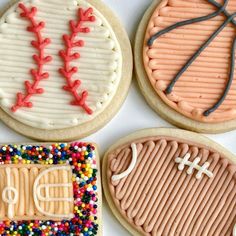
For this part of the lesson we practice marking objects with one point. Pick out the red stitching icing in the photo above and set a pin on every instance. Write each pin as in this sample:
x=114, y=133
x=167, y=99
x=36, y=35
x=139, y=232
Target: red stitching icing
x=67, y=56
x=22, y=100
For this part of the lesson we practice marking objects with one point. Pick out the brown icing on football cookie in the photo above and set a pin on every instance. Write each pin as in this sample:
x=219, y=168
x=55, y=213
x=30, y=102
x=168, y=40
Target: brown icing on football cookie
x=174, y=188
x=190, y=62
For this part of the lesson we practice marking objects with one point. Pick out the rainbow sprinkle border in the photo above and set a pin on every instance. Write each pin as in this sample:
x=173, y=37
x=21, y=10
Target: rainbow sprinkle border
x=82, y=158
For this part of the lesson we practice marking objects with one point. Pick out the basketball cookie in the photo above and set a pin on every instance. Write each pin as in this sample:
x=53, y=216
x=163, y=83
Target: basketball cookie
x=65, y=67
x=164, y=182
x=50, y=190
x=185, y=62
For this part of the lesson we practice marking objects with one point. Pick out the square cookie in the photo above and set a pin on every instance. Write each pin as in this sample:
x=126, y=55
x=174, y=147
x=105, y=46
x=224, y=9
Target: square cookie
x=50, y=189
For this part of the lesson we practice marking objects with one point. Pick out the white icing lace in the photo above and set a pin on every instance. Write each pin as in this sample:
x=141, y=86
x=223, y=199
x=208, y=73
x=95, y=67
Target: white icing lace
x=194, y=165
x=131, y=166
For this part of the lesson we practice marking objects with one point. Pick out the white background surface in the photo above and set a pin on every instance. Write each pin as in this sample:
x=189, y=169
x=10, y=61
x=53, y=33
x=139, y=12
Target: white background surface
x=134, y=115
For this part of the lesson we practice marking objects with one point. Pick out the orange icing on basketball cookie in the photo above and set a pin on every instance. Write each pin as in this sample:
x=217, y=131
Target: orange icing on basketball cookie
x=159, y=198
x=203, y=83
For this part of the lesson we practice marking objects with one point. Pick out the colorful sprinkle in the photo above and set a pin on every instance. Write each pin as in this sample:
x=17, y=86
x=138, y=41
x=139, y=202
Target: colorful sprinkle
x=82, y=158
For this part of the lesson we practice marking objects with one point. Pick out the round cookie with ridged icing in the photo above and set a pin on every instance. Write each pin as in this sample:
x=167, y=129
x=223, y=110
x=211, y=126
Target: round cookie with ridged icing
x=185, y=63
x=65, y=67
x=171, y=182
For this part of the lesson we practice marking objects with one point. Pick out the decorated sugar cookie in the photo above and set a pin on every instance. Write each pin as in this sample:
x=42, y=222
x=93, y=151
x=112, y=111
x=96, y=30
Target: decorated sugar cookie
x=185, y=62
x=65, y=67
x=50, y=190
x=171, y=182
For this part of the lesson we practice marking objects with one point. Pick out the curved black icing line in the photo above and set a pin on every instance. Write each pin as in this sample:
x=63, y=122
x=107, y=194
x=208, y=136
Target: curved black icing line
x=183, y=23
x=194, y=57
x=229, y=83
x=216, y=4
x=229, y=18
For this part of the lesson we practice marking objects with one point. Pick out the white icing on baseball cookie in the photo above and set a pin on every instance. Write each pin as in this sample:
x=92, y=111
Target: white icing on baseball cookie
x=55, y=99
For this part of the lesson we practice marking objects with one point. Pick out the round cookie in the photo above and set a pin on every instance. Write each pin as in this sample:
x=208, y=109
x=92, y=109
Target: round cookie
x=184, y=61
x=66, y=67
x=171, y=182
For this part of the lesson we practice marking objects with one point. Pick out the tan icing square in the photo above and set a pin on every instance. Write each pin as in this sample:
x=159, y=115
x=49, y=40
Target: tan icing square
x=203, y=83
x=36, y=192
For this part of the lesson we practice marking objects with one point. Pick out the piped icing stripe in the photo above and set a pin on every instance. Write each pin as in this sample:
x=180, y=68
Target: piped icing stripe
x=185, y=40
x=229, y=83
x=10, y=194
x=68, y=57
x=131, y=166
x=23, y=100
x=158, y=199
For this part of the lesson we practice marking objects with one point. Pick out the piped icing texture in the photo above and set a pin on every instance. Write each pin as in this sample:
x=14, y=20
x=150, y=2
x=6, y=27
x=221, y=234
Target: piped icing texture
x=99, y=65
x=52, y=198
x=191, y=65
x=159, y=197
x=48, y=190
x=194, y=166
x=23, y=100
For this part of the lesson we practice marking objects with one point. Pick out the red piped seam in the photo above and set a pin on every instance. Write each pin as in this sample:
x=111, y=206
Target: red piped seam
x=68, y=57
x=23, y=100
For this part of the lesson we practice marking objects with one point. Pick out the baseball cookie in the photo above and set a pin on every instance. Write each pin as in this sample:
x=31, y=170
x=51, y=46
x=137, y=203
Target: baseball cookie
x=50, y=190
x=185, y=62
x=65, y=67
x=166, y=182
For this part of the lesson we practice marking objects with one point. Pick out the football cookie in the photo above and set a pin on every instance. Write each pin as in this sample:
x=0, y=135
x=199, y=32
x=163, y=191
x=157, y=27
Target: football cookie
x=65, y=67
x=50, y=190
x=164, y=182
x=185, y=62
